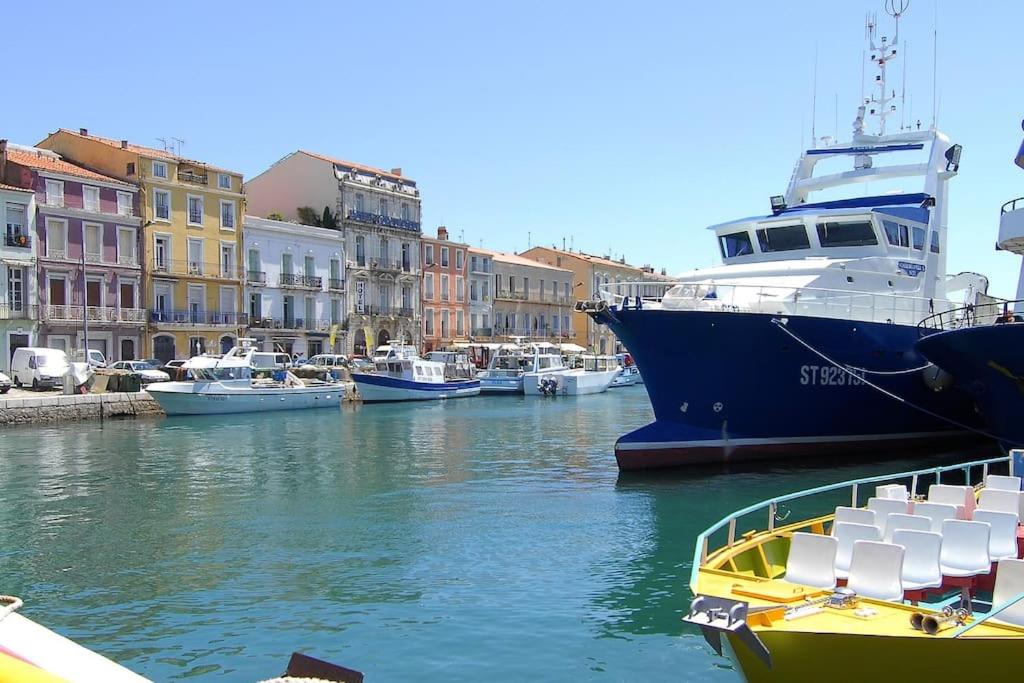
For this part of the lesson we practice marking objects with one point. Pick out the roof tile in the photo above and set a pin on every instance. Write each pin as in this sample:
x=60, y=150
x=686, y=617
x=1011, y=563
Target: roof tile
x=45, y=162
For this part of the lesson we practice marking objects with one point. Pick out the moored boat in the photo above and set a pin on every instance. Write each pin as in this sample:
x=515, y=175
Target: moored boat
x=630, y=374
x=401, y=375
x=504, y=373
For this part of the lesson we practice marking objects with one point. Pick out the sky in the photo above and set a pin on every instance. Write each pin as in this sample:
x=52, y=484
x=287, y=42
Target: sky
x=618, y=128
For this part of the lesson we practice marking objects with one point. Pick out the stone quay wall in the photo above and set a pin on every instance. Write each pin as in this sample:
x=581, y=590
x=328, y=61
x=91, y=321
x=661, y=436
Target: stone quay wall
x=59, y=408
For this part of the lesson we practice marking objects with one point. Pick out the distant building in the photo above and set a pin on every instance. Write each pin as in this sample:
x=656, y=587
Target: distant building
x=191, y=222
x=19, y=311
x=295, y=286
x=86, y=221
x=445, y=304
x=379, y=215
x=531, y=299
x=481, y=309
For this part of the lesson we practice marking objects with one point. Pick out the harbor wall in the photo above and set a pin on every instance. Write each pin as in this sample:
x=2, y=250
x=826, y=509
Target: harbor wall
x=27, y=410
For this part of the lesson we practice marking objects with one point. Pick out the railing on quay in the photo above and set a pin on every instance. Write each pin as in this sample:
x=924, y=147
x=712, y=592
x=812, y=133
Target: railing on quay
x=771, y=506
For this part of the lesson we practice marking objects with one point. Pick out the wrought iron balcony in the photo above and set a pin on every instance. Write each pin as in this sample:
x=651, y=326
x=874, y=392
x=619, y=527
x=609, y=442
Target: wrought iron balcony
x=482, y=332
x=20, y=240
x=167, y=317
x=17, y=311
x=378, y=219
x=256, y=277
x=193, y=177
x=406, y=312
x=307, y=281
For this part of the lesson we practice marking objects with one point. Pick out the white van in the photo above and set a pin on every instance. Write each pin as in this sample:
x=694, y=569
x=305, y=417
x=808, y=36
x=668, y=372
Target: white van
x=266, y=360
x=38, y=367
x=96, y=359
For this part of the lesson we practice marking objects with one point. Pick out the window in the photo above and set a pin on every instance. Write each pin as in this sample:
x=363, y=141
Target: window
x=444, y=324
x=162, y=205
x=896, y=234
x=735, y=244
x=54, y=193
x=474, y=291
x=429, y=255
x=93, y=242
x=162, y=252
x=360, y=250
x=16, y=225
x=224, y=181
x=359, y=202
x=444, y=257
x=124, y=203
x=56, y=238
x=783, y=238
x=934, y=248
x=485, y=287
x=405, y=211
x=16, y=288
x=91, y=198
x=195, y=210
x=227, y=214
x=859, y=234
x=445, y=294
x=459, y=323
x=159, y=170
x=406, y=257
x=195, y=257
x=407, y=297
x=541, y=289
x=384, y=251
x=256, y=305
x=335, y=311
x=459, y=258
x=428, y=322
x=310, y=264
x=460, y=289
x=383, y=207
x=428, y=287
x=128, y=291
x=286, y=264
x=227, y=260
x=919, y=238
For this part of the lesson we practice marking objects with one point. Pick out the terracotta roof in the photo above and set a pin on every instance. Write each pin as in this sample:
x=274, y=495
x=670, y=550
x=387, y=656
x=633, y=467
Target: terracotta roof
x=515, y=258
x=49, y=163
x=361, y=167
x=146, y=151
x=4, y=186
x=591, y=258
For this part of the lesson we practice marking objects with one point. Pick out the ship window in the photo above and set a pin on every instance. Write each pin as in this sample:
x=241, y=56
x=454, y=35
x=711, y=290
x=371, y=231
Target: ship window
x=935, y=242
x=919, y=234
x=846, y=234
x=896, y=234
x=783, y=238
x=735, y=244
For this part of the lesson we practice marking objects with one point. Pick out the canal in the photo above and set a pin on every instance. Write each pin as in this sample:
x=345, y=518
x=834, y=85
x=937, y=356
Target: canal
x=480, y=539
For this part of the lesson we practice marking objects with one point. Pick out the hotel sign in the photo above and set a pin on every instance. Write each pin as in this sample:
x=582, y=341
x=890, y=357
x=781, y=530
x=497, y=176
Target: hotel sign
x=360, y=295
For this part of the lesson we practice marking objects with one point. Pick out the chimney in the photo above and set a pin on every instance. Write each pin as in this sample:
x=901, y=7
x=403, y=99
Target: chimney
x=442, y=233
x=124, y=144
x=396, y=171
x=3, y=160
x=83, y=131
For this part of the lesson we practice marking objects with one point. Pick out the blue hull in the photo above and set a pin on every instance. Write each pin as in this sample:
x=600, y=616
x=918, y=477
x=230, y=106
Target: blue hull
x=988, y=364
x=727, y=386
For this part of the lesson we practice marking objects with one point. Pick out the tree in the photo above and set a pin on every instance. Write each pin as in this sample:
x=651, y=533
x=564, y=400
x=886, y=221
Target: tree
x=329, y=220
x=307, y=216
x=275, y=216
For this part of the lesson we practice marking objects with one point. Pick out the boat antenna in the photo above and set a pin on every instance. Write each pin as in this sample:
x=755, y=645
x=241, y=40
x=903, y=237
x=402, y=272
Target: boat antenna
x=814, y=99
x=903, y=93
x=882, y=52
x=935, y=65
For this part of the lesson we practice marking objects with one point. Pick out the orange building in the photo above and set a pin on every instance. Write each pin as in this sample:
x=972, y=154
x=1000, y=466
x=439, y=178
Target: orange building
x=443, y=295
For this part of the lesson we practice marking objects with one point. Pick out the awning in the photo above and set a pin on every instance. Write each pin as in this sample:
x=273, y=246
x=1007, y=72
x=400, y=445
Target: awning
x=571, y=348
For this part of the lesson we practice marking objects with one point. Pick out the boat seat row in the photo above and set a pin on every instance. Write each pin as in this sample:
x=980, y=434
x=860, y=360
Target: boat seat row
x=992, y=481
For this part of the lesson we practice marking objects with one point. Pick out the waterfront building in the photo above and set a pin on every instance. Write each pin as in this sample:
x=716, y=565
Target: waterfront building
x=445, y=305
x=88, y=273
x=481, y=271
x=294, y=286
x=379, y=215
x=18, y=299
x=191, y=242
x=531, y=299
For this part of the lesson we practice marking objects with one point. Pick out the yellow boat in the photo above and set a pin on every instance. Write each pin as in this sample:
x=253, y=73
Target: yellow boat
x=934, y=586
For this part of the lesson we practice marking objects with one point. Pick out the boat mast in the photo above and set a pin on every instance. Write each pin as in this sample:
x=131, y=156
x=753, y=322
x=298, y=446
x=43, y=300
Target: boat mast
x=882, y=104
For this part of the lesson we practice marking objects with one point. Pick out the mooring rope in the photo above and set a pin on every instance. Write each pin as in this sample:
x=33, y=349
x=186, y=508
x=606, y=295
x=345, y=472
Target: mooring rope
x=896, y=397
x=13, y=604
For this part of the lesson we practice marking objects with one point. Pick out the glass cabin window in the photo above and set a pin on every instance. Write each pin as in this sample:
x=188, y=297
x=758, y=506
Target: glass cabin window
x=935, y=242
x=735, y=244
x=896, y=234
x=783, y=238
x=859, y=234
x=919, y=238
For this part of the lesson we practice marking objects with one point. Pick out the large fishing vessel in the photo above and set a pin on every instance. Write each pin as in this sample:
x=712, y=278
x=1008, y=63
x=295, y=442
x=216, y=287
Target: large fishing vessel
x=802, y=341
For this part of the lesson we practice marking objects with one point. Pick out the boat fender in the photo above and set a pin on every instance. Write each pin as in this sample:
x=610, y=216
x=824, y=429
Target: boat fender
x=936, y=379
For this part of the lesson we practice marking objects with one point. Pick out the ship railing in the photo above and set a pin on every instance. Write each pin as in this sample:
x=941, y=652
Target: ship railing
x=981, y=313
x=818, y=302
x=741, y=525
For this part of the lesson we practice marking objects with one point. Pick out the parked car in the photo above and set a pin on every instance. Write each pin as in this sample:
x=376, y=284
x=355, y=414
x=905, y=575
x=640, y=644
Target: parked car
x=325, y=361
x=96, y=358
x=174, y=369
x=39, y=367
x=148, y=372
x=5, y=383
x=264, y=360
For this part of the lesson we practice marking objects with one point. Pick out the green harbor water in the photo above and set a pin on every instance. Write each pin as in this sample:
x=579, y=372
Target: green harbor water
x=479, y=539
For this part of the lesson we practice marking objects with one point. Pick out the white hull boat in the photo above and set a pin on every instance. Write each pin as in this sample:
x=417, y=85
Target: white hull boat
x=242, y=396
x=596, y=375
x=628, y=377
x=401, y=375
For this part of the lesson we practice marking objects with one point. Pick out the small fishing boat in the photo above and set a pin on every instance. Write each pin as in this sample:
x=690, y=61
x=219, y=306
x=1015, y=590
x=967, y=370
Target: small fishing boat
x=504, y=373
x=401, y=375
x=543, y=369
x=923, y=582
x=226, y=385
x=594, y=376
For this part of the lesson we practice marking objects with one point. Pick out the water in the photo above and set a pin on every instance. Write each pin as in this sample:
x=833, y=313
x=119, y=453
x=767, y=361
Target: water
x=477, y=539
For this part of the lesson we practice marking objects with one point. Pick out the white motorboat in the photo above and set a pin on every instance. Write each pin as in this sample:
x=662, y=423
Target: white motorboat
x=401, y=375
x=545, y=368
x=226, y=385
x=504, y=373
x=630, y=374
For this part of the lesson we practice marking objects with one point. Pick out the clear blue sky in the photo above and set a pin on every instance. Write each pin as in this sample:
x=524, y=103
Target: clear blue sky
x=625, y=127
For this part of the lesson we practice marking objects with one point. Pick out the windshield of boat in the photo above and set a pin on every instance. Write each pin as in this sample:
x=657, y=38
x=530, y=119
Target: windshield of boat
x=508, y=363
x=221, y=374
x=736, y=244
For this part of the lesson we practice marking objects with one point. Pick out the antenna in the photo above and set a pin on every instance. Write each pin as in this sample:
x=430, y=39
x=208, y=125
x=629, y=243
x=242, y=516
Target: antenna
x=181, y=143
x=529, y=243
x=836, y=136
x=881, y=105
x=903, y=94
x=163, y=141
x=935, y=63
x=814, y=99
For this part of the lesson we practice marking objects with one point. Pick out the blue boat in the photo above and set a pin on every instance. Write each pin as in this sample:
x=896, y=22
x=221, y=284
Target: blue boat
x=401, y=375
x=803, y=341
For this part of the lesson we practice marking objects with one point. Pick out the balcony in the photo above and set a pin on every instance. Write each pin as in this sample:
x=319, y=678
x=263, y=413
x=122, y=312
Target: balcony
x=482, y=332
x=19, y=311
x=193, y=177
x=510, y=295
x=256, y=277
x=189, y=267
x=406, y=312
x=196, y=317
x=336, y=285
x=130, y=260
x=19, y=240
x=306, y=324
x=304, y=281
x=385, y=264
x=96, y=314
x=388, y=221
x=386, y=310
x=93, y=257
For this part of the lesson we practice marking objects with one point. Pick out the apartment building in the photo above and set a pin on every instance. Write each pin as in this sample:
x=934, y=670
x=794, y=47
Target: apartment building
x=18, y=289
x=445, y=304
x=530, y=299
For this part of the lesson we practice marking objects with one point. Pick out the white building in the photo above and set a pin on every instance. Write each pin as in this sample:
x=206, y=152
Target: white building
x=295, y=286
x=18, y=290
x=379, y=213
x=481, y=313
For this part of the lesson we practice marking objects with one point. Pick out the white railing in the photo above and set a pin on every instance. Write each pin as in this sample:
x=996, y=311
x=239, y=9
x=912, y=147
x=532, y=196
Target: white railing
x=784, y=300
x=98, y=314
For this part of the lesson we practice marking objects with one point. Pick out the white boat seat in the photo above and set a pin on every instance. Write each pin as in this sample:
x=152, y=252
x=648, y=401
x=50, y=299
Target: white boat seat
x=1002, y=482
x=894, y=491
x=876, y=570
x=937, y=512
x=896, y=522
x=811, y=560
x=1002, y=541
x=1004, y=501
x=854, y=516
x=883, y=507
x=960, y=496
x=848, y=533
x=964, y=548
x=921, y=550
x=1009, y=584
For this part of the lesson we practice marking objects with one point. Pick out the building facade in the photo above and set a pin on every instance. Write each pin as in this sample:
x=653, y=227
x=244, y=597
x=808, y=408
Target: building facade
x=18, y=289
x=530, y=299
x=191, y=243
x=295, y=287
x=481, y=272
x=87, y=253
x=379, y=215
x=445, y=304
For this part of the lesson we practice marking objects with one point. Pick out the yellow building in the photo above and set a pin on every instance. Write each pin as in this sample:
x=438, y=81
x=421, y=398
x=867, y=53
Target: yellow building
x=192, y=237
